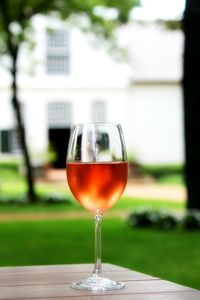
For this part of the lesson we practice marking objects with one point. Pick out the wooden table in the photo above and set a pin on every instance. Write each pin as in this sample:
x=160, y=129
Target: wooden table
x=53, y=283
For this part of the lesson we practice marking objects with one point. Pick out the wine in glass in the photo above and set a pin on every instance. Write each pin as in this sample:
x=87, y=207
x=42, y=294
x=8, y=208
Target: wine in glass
x=97, y=174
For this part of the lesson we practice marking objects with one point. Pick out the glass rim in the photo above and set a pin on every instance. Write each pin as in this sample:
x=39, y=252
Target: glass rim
x=96, y=124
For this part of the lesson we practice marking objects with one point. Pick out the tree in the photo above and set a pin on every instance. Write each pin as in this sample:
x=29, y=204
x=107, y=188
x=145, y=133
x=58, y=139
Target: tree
x=15, y=20
x=191, y=90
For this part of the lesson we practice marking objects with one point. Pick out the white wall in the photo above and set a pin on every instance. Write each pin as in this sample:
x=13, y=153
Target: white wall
x=36, y=105
x=151, y=118
x=90, y=65
x=6, y=112
x=157, y=123
x=150, y=114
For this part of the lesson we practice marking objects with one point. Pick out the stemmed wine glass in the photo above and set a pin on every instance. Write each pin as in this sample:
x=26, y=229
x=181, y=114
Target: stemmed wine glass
x=97, y=174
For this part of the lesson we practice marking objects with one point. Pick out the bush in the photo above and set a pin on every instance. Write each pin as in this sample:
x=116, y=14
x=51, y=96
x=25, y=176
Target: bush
x=191, y=220
x=164, y=220
x=151, y=218
x=13, y=200
x=141, y=218
x=158, y=171
x=55, y=199
x=47, y=199
x=12, y=165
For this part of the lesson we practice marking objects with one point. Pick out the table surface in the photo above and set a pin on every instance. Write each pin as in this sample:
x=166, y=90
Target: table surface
x=53, y=283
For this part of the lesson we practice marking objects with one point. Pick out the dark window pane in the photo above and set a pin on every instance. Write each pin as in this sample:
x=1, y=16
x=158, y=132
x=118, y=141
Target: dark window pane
x=5, y=141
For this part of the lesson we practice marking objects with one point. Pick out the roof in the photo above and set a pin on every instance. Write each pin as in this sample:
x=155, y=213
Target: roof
x=155, y=52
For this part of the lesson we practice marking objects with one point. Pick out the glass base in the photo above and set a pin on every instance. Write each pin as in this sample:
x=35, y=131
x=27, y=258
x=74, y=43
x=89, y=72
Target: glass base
x=97, y=283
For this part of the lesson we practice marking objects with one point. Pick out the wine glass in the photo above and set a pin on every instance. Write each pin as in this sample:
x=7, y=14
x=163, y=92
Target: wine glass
x=97, y=174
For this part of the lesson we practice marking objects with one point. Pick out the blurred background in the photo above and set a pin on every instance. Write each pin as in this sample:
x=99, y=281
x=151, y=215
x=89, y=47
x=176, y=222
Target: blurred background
x=62, y=64
x=71, y=76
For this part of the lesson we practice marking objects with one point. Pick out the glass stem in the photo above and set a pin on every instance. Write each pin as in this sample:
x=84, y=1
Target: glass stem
x=97, y=267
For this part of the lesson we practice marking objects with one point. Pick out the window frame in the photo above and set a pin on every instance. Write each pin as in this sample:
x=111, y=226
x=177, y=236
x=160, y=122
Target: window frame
x=57, y=56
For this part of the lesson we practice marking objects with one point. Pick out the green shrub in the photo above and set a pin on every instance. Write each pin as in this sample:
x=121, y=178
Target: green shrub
x=12, y=200
x=55, y=198
x=158, y=171
x=153, y=218
x=164, y=220
x=191, y=220
x=141, y=218
x=11, y=165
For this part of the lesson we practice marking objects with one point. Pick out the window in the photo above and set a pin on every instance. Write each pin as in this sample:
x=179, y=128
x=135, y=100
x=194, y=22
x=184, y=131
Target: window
x=57, y=52
x=98, y=112
x=59, y=115
x=15, y=142
x=10, y=141
x=5, y=141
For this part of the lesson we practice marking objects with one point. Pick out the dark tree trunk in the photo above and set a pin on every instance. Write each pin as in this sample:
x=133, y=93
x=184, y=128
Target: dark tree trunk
x=13, y=49
x=191, y=90
x=29, y=172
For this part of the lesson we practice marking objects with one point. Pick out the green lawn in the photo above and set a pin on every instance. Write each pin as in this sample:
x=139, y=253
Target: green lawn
x=172, y=180
x=124, y=204
x=170, y=255
x=14, y=187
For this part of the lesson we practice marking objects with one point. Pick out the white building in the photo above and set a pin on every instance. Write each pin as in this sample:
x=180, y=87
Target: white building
x=66, y=79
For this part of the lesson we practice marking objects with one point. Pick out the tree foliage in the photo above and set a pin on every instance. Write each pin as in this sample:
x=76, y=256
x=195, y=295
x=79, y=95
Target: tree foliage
x=18, y=13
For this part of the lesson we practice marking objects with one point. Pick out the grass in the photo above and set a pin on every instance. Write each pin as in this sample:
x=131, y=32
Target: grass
x=171, y=180
x=170, y=255
x=165, y=173
x=124, y=204
x=13, y=185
